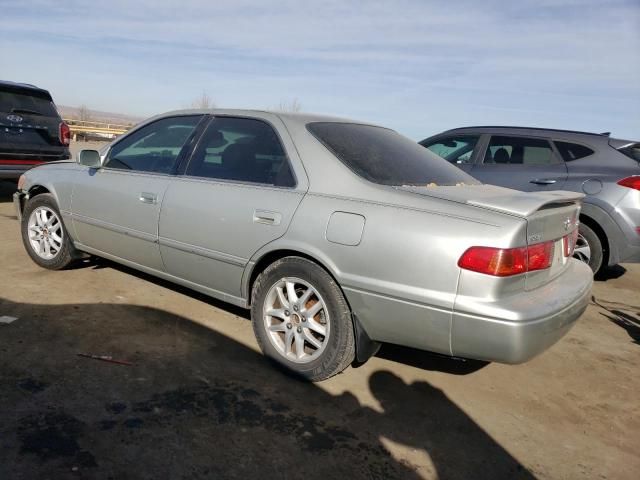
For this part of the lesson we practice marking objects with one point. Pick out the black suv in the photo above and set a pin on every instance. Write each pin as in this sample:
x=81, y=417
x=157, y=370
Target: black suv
x=31, y=130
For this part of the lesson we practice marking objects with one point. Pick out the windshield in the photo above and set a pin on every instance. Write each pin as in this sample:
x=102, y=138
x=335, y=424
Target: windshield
x=385, y=157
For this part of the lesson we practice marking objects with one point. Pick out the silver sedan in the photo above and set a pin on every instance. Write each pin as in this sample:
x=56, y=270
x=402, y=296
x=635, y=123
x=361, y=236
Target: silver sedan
x=337, y=234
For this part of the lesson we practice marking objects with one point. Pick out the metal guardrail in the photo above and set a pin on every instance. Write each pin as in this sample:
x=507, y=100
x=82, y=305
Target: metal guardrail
x=84, y=127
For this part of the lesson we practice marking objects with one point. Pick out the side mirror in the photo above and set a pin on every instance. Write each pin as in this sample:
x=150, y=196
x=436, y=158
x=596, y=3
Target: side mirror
x=89, y=158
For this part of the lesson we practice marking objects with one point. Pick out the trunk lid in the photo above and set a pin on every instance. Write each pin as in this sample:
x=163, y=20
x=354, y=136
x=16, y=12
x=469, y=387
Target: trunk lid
x=550, y=216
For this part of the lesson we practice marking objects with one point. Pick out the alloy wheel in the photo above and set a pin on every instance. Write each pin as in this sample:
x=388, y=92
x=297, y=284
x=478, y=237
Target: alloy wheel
x=45, y=232
x=296, y=319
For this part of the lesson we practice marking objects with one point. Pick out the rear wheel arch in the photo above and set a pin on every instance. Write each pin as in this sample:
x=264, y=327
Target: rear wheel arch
x=273, y=256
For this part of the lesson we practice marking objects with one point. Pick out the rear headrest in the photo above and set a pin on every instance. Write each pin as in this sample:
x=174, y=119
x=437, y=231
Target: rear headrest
x=501, y=156
x=239, y=156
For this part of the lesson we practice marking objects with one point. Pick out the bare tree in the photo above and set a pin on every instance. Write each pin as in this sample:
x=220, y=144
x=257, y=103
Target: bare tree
x=289, y=106
x=203, y=101
x=83, y=113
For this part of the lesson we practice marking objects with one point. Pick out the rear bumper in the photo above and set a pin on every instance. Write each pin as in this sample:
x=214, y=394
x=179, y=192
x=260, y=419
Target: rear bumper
x=537, y=320
x=13, y=172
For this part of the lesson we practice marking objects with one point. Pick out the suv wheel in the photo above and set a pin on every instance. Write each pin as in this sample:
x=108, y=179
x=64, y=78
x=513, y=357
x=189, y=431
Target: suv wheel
x=589, y=248
x=301, y=319
x=44, y=235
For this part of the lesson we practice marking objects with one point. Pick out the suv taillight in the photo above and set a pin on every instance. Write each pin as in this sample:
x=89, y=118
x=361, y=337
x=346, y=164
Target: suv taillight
x=64, y=134
x=631, y=182
x=504, y=262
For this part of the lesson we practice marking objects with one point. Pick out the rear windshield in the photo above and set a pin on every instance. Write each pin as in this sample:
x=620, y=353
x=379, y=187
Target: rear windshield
x=25, y=104
x=385, y=157
x=632, y=151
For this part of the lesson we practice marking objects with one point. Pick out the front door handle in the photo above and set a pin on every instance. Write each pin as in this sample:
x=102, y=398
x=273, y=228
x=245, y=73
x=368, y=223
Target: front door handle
x=146, y=197
x=267, y=217
x=543, y=181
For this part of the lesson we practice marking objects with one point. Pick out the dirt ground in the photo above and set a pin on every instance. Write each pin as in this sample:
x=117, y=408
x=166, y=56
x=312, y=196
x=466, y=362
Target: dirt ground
x=200, y=401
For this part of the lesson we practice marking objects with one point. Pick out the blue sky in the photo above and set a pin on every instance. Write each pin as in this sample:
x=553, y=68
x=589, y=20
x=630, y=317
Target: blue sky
x=417, y=66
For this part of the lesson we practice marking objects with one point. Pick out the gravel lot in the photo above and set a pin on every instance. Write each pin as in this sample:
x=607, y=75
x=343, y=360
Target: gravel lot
x=199, y=400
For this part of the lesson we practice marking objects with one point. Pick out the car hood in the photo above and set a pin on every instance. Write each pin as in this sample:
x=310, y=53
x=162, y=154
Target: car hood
x=505, y=200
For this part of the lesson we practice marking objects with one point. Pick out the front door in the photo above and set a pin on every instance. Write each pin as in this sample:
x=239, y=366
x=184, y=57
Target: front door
x=115, y=209
x=523, y=163
x=239, y=192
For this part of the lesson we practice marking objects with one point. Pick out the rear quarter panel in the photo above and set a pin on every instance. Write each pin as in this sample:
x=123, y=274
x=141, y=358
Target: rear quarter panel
x=401, y=278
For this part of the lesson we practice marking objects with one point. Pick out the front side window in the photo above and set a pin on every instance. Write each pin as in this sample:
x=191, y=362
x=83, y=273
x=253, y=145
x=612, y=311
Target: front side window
x=519, y=151
x=243, y=150
x=572, y=151
x=454, y=149
x=155, y=147
x=385, y=157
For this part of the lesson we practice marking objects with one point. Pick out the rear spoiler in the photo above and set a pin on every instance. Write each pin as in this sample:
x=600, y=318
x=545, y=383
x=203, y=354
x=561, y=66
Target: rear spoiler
x=524, y=204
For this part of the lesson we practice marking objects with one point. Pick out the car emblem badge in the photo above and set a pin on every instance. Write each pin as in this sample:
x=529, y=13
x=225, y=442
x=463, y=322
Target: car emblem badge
x=567, y=224
x=14, y=118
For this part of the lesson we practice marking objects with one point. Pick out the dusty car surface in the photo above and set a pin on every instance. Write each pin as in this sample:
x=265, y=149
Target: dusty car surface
x=336, y=234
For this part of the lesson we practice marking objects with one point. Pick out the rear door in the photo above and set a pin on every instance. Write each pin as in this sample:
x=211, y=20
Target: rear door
x=520, y=162
x=239, y=192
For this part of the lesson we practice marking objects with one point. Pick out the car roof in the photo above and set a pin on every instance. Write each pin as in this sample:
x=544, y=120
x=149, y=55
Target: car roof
x=533, y=131
x=289, y=117
x=24, y=87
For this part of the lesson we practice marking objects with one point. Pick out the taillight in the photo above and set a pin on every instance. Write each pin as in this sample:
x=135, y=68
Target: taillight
x=64, y=134
x=631, y=182
x=569, y=243
x=504, y=262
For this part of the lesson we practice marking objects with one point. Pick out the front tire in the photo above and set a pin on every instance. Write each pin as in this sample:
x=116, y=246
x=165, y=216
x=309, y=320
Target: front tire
x=302, y=320
x=44, y=235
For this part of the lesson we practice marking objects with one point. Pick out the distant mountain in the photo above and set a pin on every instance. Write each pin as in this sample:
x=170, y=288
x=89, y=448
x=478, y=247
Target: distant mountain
x=98, y=116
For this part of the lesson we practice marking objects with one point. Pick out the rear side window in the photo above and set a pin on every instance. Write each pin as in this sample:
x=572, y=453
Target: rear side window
x=572, y=151
x=385, y=157
x=155, y=147
x=25, y=104
x=241, y=149
x=519, y=151
x=454, y=149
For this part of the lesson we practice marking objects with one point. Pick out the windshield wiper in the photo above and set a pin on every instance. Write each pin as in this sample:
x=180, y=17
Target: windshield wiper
x=26, y=110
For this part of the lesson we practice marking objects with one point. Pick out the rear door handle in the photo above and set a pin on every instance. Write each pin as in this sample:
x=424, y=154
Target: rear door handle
x=267, y=217
x=543, y=181
x=146, y=197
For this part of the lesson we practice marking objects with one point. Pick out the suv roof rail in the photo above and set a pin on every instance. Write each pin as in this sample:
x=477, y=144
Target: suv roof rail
x=605, y=134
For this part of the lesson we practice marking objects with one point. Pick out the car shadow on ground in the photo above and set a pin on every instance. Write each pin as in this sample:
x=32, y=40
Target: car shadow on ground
x=610, y=273
x=198, y=404
x=622, y=315
x=396, y=353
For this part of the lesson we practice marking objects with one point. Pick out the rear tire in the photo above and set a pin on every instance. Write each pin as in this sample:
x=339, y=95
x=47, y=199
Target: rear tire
x=302, y=320
x=44, y=235
x=589, y=249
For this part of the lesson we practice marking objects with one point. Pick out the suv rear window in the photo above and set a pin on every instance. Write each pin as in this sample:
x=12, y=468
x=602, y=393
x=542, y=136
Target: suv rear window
x=572, y=151
x=385, y=157
x=23, y=103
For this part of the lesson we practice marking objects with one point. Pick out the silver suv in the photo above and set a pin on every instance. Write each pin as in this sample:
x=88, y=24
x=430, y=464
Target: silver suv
x=606, y=169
